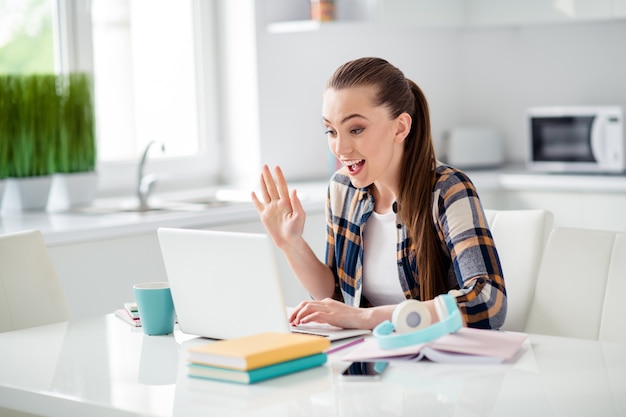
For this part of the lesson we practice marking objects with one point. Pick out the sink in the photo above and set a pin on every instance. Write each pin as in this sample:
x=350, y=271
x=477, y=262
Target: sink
x=157, y=207
x=185, y=202
x=199, y=205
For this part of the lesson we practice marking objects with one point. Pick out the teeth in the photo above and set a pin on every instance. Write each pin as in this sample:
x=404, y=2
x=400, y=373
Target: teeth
x=352, y=164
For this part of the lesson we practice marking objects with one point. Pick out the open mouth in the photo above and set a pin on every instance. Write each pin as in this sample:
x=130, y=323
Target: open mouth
x=354, y=166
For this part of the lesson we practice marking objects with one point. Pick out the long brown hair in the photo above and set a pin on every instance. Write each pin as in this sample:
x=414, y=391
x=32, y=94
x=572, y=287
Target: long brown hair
x=399, y=95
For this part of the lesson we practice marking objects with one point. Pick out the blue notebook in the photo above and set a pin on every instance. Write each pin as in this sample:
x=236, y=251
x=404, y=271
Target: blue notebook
x=258, y=374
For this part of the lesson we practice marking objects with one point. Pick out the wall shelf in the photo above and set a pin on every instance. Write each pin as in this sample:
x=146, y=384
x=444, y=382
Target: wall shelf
x=294, y=26
x=302, y=26
x=454, y=14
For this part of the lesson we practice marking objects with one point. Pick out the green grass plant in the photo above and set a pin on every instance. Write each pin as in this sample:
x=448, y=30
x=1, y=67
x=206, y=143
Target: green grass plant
x=47, y=125
x=77, y=142
x=18, y=129
x=6, y=127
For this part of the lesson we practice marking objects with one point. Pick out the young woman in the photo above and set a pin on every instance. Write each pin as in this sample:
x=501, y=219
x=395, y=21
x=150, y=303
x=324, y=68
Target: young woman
x=400, y=224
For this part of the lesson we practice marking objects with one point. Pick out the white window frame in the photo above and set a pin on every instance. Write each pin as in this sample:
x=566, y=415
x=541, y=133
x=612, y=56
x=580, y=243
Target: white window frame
x=74, y=52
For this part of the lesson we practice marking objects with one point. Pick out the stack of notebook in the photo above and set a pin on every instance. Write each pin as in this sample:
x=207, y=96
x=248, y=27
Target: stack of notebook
x=129, y=313
x=258, y=357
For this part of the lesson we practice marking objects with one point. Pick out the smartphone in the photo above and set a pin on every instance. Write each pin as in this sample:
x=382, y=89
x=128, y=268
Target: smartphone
x=364, y=370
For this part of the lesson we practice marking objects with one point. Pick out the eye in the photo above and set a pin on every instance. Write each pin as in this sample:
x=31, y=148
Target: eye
x=357, y=130
x=330, y=132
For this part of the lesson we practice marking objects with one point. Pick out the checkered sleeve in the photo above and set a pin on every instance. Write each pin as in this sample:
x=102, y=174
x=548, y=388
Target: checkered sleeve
x=475, y=263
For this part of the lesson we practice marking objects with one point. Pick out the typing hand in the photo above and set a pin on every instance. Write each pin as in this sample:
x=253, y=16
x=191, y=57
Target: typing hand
x=328, y=311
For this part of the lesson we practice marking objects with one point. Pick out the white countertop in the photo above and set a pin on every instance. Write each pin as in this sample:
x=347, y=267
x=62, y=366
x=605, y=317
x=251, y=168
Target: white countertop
x=101, y=222
x=516, y=178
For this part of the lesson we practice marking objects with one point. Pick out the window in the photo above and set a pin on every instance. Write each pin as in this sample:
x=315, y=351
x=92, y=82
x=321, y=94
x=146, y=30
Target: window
x=153, y=70
x=26, y=37
x=145, y=77
x=153, y=78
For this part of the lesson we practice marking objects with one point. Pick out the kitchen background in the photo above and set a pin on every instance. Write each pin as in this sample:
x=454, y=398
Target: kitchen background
x=479, y=62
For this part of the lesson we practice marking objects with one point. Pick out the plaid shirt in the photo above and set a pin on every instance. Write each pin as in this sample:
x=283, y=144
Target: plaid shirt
x=475, y=275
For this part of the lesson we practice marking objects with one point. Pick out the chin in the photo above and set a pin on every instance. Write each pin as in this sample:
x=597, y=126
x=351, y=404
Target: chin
x=358, y=183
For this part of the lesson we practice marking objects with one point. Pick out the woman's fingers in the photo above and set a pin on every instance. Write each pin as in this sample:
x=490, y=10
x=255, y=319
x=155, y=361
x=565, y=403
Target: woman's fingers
x=274, y=205
x=268, y=185
x=312, y=311
x=294, y=314
x=303, y=310
x=283, y=189
x=256, y=202
x=296, y=204
x=273, y=189
x=263, y=190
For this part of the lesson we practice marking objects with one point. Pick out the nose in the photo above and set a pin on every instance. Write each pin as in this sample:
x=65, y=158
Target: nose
x=340, y=145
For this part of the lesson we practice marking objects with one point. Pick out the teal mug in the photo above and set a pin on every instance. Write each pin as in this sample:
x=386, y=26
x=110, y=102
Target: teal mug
x=155, y=306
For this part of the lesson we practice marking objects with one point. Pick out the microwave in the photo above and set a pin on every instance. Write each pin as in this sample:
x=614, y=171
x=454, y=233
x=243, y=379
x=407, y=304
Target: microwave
x=576, y=139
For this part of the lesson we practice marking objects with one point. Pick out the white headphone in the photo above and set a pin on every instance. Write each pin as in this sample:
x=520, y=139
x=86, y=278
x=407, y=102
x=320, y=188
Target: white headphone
x=411, y=321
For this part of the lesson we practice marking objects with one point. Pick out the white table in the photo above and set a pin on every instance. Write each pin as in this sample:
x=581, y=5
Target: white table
x=103, y=367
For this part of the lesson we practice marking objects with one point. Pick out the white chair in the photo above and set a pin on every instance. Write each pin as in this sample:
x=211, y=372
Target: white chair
x=612, y=324
x=580, y=284
x=519, y=236
x=30, y=291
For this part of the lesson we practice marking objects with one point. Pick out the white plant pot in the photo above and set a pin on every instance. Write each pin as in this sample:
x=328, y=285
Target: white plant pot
x=27, y=193
x=72, y=190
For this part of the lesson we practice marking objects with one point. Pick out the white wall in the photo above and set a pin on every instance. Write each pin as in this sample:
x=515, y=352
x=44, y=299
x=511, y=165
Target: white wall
x=471, y=76
x=293, y=69
x=505, y=71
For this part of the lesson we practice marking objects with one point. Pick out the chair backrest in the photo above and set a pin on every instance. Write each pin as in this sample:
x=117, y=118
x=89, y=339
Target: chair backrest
x=578, y=285
x=520, y=236
x=30, y=291
x=613, y=323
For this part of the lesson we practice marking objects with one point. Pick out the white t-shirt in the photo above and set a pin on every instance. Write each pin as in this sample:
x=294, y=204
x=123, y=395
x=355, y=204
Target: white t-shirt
x=381, y=285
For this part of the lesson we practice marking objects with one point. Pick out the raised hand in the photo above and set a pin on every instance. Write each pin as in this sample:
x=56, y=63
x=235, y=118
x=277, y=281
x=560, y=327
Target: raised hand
x=281, y=211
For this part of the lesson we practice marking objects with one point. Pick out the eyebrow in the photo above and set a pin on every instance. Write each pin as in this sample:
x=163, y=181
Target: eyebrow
x=348, y=117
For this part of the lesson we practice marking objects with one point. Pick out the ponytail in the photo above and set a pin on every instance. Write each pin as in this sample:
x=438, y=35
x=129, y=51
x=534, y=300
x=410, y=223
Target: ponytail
x=416, y=201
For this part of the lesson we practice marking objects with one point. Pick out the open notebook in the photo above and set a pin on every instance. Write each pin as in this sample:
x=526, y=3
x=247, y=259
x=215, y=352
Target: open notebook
x=226, y=285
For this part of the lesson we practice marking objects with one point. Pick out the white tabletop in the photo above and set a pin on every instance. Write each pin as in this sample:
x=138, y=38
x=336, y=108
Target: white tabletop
x=103, y=367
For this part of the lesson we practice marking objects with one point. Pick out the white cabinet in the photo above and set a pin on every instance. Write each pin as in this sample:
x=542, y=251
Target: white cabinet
x=566, y=206
x=98, y=275
x=589, y=210
x=584, y=201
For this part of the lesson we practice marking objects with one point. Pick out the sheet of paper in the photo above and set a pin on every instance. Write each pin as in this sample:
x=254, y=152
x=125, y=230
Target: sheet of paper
x=466, y=345
x=481, y=342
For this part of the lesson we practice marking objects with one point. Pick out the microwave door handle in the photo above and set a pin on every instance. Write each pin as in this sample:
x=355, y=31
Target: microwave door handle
x=597, y=138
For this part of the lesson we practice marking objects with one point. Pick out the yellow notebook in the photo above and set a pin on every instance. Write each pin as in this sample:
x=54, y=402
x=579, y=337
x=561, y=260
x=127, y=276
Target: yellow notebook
x=257, y=350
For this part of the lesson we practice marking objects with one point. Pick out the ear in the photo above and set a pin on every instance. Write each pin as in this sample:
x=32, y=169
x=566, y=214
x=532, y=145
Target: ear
x=403, y=127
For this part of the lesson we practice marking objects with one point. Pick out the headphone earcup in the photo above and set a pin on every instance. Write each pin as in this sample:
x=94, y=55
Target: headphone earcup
x=440, y=308
x=412, y=323
x=410, y=315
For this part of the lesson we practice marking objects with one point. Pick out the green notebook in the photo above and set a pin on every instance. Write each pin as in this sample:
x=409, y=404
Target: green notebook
x=258, y=374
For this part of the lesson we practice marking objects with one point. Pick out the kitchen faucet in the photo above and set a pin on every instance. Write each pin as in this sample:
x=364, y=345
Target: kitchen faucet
x=145, y=183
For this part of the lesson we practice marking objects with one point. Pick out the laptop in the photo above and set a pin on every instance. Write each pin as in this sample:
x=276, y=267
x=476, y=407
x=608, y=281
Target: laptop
x=227, y=285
